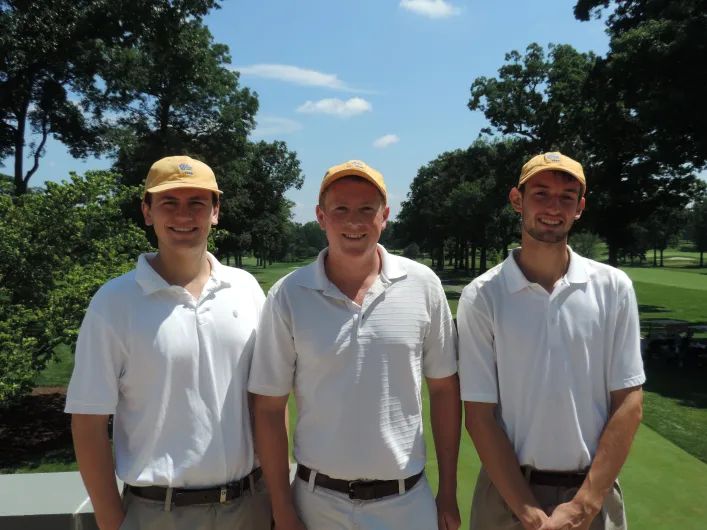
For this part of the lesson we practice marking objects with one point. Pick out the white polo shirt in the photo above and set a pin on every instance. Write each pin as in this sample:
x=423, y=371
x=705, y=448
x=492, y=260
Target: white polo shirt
x=550, y=360
x=174, y=371
x=356, y=370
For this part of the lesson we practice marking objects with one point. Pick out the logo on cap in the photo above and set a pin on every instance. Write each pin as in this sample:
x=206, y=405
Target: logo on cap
x=186, y=168
x=552, y=157
x=356, y=164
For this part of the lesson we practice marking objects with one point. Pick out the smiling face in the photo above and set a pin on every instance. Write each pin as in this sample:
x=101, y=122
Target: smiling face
x=181, y=218
x=549, y=204
x=353, y=215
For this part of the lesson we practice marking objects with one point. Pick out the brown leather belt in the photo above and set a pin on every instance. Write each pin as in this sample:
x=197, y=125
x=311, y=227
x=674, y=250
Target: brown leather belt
x=366, y=490
x=567, y=479
x=186, y=497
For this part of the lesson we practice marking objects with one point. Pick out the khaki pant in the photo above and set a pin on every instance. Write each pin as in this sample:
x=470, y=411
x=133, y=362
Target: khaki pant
x=490, y=512
x=250, y=512
x=323, y=509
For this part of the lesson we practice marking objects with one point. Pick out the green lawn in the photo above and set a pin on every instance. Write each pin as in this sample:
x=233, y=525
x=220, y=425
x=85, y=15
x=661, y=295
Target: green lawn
x=663, y=485
x=670, y=277
x=57, y=372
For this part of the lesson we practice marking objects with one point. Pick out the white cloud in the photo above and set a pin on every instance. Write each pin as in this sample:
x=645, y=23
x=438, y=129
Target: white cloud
x=297, y=76
x=336, y=107
x=385, y=141
x=431, y=8
x=52, y=164
x=274, y=126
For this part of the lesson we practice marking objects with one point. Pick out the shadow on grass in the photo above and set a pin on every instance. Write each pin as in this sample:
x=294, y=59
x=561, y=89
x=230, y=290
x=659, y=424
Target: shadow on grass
x=652, y=309
x=452, y=295
x=35, y=432
x=687, y=386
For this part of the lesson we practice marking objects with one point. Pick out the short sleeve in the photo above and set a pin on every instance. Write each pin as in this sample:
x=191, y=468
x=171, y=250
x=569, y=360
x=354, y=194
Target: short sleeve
x=626, y=368
x=273, y=368
x=98, y=365
x=440, y=346
x=477, y=360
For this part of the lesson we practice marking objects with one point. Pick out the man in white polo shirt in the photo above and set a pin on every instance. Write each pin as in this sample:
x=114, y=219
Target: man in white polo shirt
x=550, y=369
x=167, y=349
x=353, y=334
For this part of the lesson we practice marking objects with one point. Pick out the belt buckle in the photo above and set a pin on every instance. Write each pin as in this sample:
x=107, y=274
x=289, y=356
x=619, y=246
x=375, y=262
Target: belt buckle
x=352, y=491
x=363, y=494
x=224, y=492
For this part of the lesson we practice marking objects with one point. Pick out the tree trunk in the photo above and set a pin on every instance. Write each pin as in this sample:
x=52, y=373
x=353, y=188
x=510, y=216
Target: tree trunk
x=661, y=257
x=655, y=258
x=482, y=260
x=20, y=184
x=505, y=252
x=702, y=259
x=613, y=255
x=473, y=259
x=466, y=259
x=440, y=257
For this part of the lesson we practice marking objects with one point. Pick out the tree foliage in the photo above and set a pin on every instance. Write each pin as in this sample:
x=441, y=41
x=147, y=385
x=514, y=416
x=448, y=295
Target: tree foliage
x=58, y=246
x=54, y=56
x=657, y=64
x=698, y=227
x=566, y=101
x=463, y=195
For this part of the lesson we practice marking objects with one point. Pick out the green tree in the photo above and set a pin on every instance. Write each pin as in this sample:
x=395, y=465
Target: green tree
x=458, y=203
x=658, y=63
x=179, y=97
x=585, y=244
x=566, y=101
x=412, y=251
x=57, y=246
x=698, y=227
x=254, y=200
x=54, y=54
x=663, y=230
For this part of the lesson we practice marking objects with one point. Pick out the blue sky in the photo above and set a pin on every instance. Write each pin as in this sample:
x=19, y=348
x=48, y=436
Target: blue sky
x=384, y=81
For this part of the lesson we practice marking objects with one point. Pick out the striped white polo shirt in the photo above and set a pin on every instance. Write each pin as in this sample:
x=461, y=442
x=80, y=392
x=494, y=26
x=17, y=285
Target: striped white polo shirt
x=356, y=370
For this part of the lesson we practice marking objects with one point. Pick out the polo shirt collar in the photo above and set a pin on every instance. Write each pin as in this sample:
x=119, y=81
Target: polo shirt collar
x=577, y=271
x=151, y=282
x=314, y=276
x=516, y=280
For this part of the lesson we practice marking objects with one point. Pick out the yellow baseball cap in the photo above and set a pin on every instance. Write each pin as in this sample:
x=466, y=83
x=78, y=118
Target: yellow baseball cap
x=353, y=168
x=553, y=162
x=180, y=172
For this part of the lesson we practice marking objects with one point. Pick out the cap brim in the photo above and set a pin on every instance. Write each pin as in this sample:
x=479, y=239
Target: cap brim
x=175, y=185
x=552, y=168
x=350, y=173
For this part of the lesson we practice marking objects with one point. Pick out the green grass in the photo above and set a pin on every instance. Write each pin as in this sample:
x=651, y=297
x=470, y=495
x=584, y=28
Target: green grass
x=675, y=406
x=58, y=371
x=661, y=302
x=664, y=487
x=668, y=277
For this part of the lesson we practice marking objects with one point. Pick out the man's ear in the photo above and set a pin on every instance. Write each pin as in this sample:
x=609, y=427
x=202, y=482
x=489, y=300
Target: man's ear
x=580, y=208
x=320, y=217
x=147, y=214
x=386, y=214
x=516, y=198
